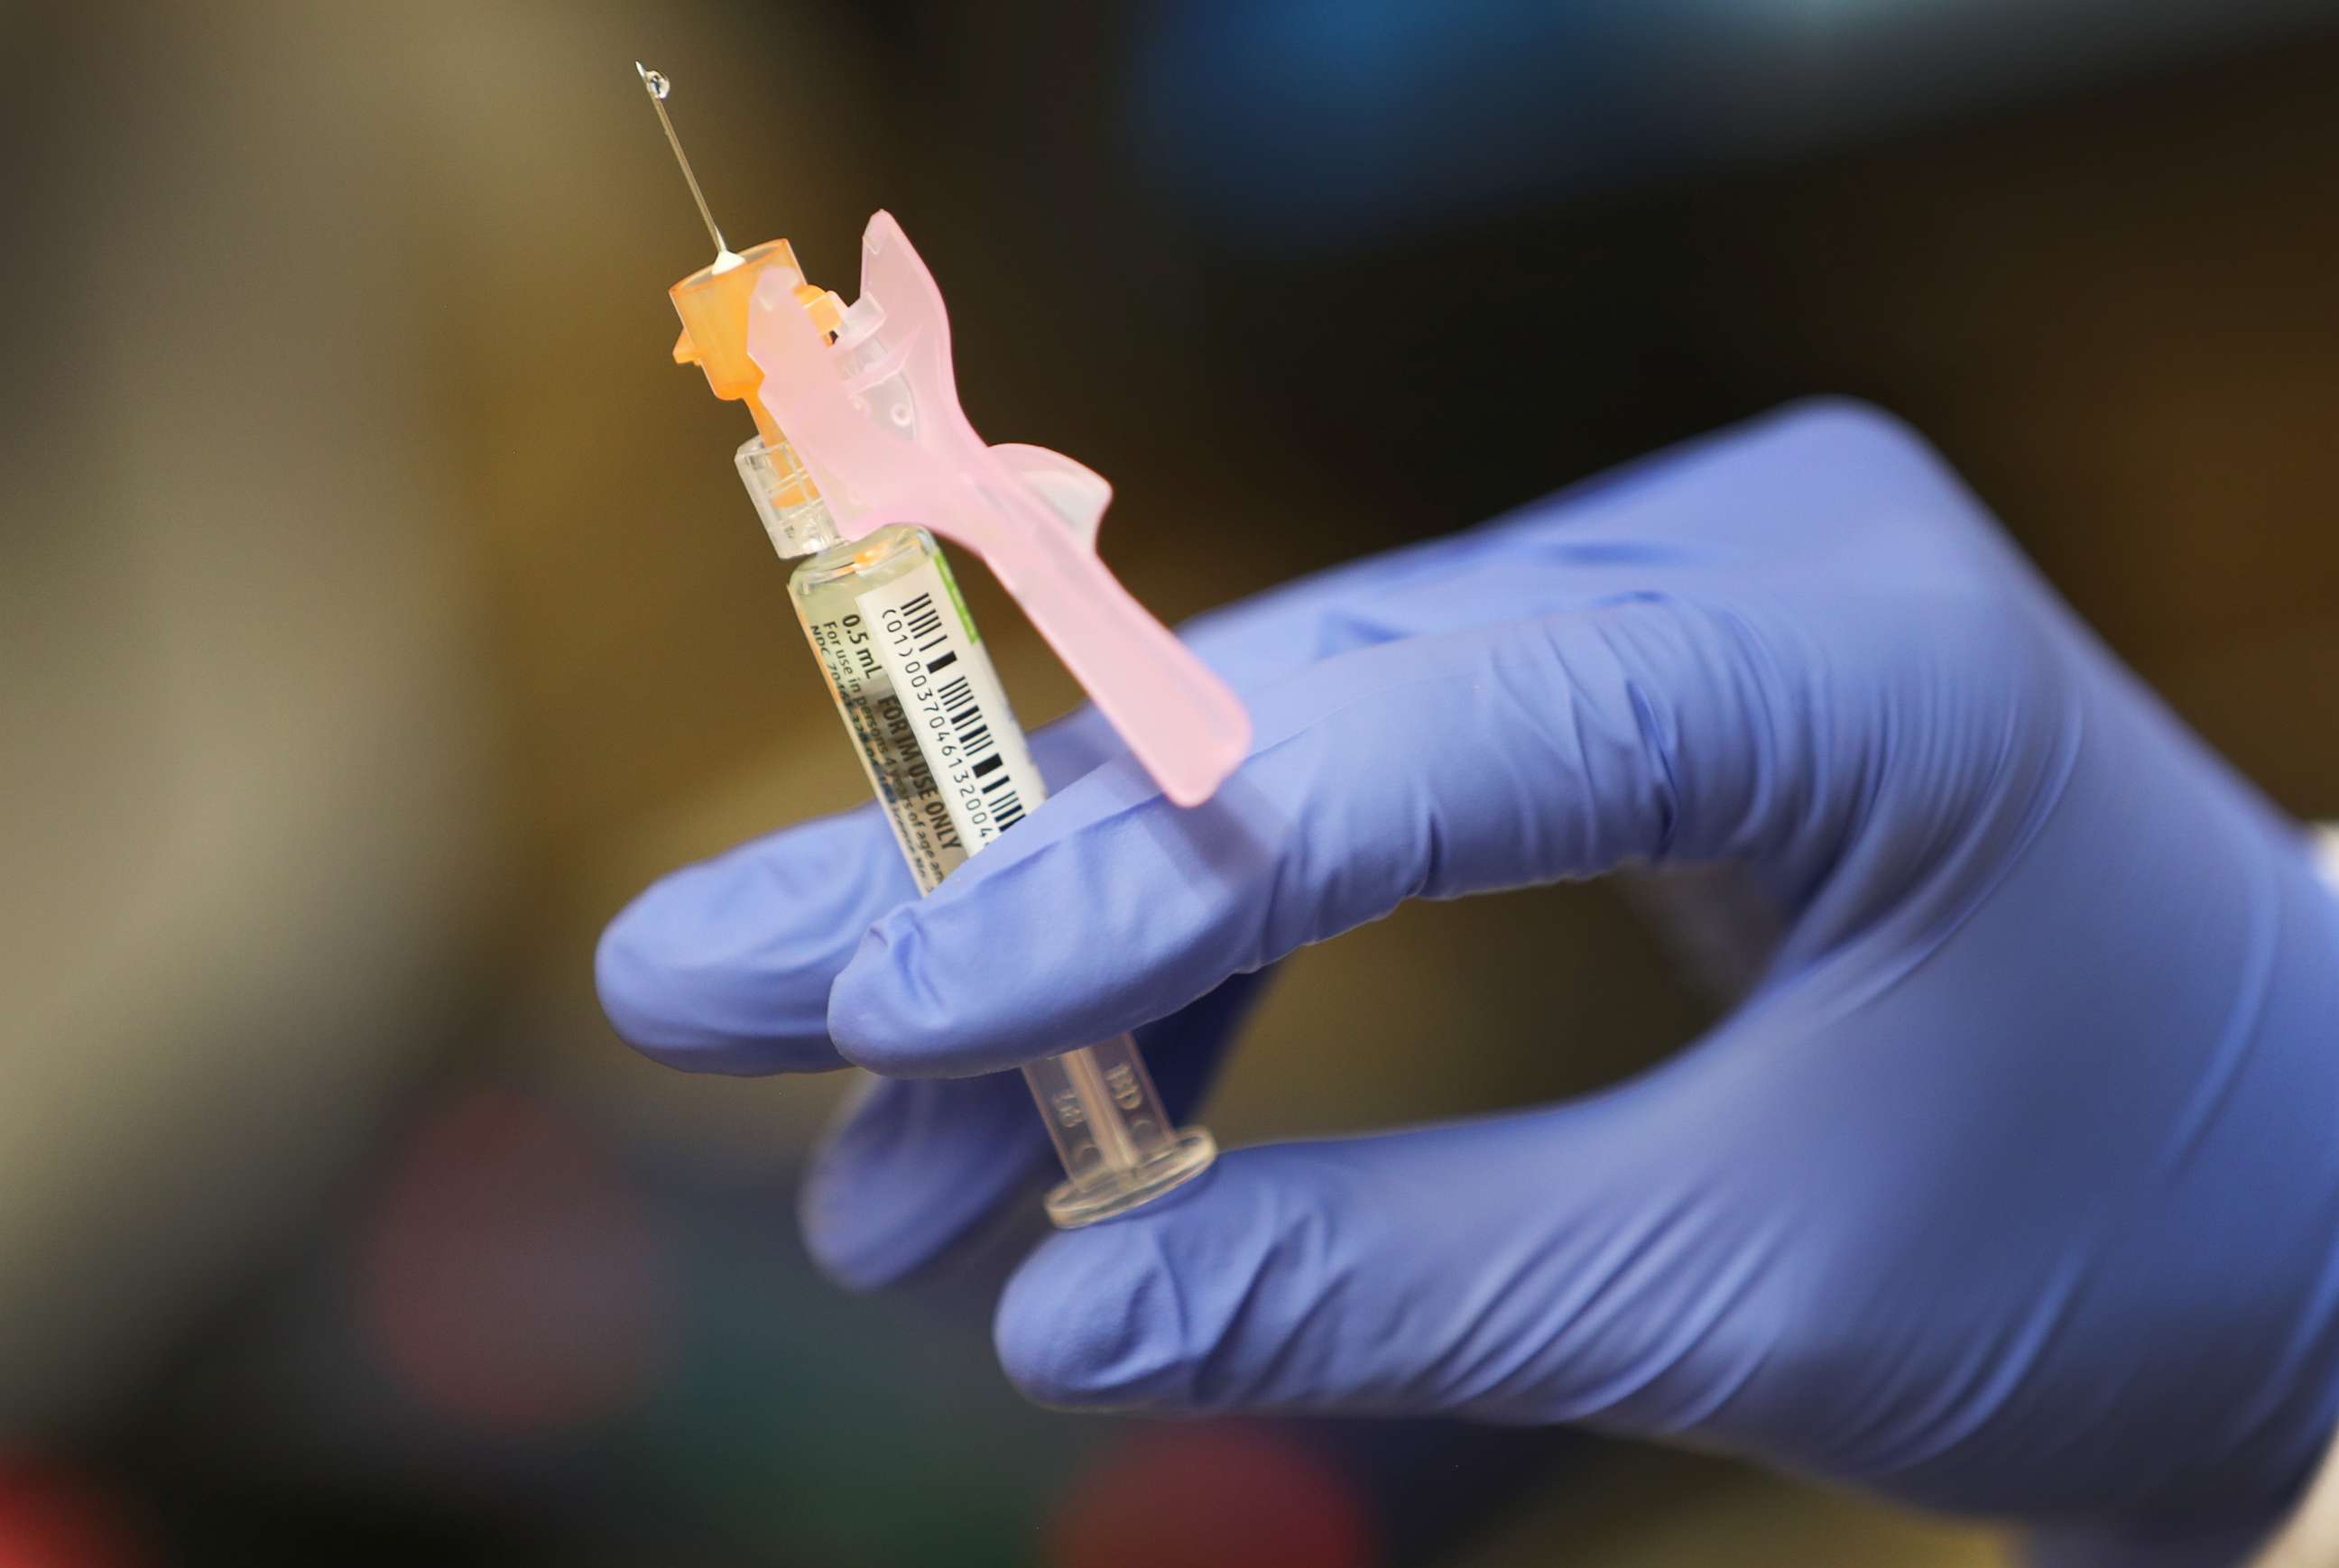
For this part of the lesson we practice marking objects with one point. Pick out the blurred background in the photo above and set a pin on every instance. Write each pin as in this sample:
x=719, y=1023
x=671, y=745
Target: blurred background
x=379, y=610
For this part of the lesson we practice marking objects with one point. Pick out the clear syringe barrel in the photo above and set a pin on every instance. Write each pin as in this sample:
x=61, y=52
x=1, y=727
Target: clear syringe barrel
x=948, y=763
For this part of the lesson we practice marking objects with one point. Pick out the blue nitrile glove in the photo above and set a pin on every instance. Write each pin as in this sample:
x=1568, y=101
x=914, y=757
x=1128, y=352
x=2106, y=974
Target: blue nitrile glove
x=2014, y=1187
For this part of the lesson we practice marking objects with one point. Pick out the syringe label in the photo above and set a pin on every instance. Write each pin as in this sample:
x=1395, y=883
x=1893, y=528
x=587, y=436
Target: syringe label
x=897, y=769
x=948, y=690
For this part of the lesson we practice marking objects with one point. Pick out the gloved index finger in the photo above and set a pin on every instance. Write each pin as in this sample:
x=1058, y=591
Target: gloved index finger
x=724, y=966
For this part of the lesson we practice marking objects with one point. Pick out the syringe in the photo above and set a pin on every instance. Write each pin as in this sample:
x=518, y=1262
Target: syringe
x=914, y=684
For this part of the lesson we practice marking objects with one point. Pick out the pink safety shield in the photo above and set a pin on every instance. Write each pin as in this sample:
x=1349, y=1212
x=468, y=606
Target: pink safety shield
x=875, y=418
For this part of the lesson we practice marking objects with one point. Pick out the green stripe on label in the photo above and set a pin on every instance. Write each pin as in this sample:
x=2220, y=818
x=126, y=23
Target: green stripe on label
x=941, y=564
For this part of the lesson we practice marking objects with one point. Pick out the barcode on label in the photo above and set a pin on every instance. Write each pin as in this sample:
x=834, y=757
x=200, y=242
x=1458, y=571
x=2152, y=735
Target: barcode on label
x=978, y=745
x=960, y=717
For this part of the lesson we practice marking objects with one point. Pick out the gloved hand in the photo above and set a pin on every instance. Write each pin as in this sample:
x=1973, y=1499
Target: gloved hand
x=2013, y=1187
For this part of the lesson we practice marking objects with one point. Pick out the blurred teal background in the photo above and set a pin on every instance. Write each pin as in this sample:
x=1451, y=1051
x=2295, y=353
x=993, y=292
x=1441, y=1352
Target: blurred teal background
x=379, y=611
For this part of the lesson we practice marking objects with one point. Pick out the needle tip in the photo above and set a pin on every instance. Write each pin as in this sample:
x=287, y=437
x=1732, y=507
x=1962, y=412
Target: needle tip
x=659, y=87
